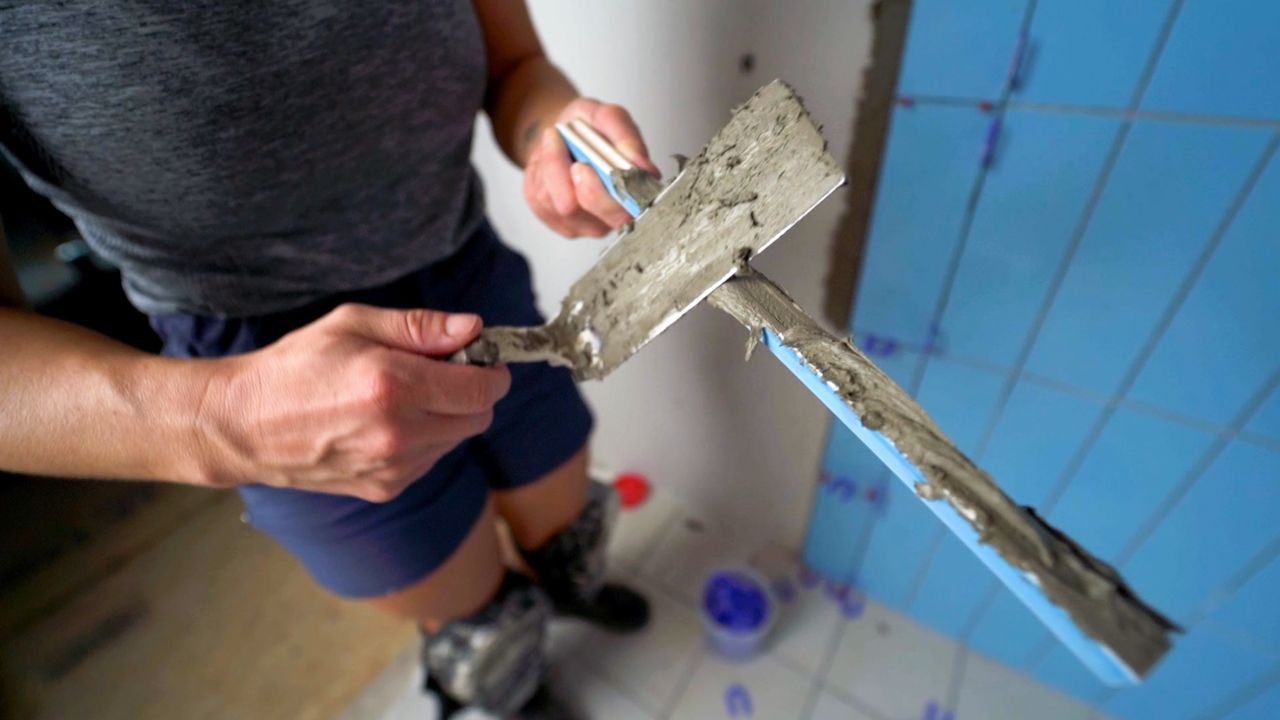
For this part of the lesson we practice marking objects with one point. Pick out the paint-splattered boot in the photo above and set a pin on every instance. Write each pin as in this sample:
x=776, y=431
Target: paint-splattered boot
x=570, y=568
x=495, y=659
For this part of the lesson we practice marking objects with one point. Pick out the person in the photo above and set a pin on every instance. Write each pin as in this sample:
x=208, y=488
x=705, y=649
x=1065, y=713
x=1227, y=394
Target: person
x=287, y=191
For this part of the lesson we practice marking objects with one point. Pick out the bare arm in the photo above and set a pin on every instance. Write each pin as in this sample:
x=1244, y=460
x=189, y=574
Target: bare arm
x=351, y=404
x=526, y=96
x=525, y=91
x=75, y=403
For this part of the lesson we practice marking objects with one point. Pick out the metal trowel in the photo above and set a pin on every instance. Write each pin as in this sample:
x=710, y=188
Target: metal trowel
x=763, y=172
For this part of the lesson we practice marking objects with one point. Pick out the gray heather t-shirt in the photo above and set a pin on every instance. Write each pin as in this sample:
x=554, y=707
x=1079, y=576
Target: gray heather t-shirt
x=238, y=157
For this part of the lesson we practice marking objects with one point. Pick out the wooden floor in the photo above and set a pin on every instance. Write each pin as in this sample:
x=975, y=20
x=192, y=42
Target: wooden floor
x=202, y=618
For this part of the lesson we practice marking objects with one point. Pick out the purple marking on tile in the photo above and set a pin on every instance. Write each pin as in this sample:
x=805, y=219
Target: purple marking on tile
x=737, y=701
x=808, y=578
x=877, y=346
x=842, y=487
x=851, y=607
x=933, y=712
x=989, y=144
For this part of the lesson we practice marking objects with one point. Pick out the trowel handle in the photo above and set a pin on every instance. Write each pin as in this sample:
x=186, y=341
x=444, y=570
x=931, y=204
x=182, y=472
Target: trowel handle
x=586, y=145
x=500, y=344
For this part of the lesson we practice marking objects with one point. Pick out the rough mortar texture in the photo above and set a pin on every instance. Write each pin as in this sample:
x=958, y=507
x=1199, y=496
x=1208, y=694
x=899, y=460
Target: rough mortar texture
x=1090, y=591
x=755, y=179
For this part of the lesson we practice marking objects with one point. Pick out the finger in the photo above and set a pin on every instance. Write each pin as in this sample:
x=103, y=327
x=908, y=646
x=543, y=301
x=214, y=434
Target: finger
x=553, y=174
x=453, y=389
x=615, y=123
x=435, y=429
x=542, y=209
x=424, y=332
x=585, y=225
x=581, y=223
x=595, y=199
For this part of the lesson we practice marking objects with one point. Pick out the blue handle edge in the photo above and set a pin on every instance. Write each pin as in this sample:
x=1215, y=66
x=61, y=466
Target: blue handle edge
x=623, y=199
x=1097, y=657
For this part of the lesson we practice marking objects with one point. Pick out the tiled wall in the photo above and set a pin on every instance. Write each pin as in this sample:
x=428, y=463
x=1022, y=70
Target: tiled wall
x=1078, y=274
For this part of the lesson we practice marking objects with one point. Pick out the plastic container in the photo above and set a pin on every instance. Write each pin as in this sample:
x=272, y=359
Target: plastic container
x=737, y=611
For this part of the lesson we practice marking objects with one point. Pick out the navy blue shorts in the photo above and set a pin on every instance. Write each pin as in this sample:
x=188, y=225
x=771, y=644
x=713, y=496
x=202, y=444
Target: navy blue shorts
x=359, y=549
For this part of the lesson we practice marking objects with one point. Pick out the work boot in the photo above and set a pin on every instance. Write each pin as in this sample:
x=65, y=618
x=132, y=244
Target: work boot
x=570, y=568
x=542, y=705
x=494, y=659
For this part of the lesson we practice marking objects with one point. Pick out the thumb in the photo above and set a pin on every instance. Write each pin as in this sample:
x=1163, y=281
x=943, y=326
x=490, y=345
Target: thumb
x=425, y=332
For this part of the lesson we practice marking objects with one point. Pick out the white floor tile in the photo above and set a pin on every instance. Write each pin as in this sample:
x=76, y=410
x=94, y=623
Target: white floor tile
x=592, y=698
x=805, y=625
x=639, y=529
x=648, y=666
x=993, y=691
x=761, y=688
x=688, y=551
x=830, y=707
x=892, y=665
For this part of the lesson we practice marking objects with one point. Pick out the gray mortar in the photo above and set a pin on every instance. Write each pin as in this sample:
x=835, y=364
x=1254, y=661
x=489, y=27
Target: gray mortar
x=1089, y=590
x=755, y=179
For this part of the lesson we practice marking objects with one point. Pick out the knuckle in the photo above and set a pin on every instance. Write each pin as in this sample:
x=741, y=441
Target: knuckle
x=420, y=325
x=346, y=312
x=386, y=442
x=380, y=384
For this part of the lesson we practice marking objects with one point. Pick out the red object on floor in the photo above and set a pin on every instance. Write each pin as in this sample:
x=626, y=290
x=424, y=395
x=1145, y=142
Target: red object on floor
x=633, y=489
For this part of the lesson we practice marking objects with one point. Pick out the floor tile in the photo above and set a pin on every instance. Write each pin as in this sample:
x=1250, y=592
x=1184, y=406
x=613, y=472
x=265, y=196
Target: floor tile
x=892, y=665
x=995, y=691
x=760, y=688
x=804, y=629
x=830, y=707
x=639, y=529
x=688, y=551
x=648, y=666
x=591, y=697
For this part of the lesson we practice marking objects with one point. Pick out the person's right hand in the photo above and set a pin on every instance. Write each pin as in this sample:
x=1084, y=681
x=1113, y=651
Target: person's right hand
x=355, y=403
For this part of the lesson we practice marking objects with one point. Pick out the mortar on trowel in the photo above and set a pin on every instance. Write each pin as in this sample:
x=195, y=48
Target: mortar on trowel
x=692, y=240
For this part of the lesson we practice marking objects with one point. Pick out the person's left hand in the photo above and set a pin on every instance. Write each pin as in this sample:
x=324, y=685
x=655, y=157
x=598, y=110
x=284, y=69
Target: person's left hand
x=568, y=196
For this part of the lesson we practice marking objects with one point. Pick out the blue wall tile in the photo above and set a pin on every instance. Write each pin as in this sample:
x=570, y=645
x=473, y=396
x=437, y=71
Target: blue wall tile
x=956, y=583
x=842, y=509
x=1266, y=421
x=1007, y=631
x=1032, y=201
x=930, y=165
x=1263, y=706
x=1252, y=613
x=1137, y=460
x=960, y=49
x=1171, y=186
x=1201, y=671
x=1223, y=344
x=1061, y=670
x=1220, y=59
x=1213, y=531
x=1090, y=52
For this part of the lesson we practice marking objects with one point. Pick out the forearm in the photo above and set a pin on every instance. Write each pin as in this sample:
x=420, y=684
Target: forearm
x=524, y=101
x=74, y=403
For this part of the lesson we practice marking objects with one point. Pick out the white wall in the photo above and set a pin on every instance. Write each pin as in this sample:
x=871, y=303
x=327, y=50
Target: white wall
x=740, y=441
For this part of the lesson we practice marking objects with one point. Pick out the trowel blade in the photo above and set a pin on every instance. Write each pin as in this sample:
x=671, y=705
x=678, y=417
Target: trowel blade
x=763, y=172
